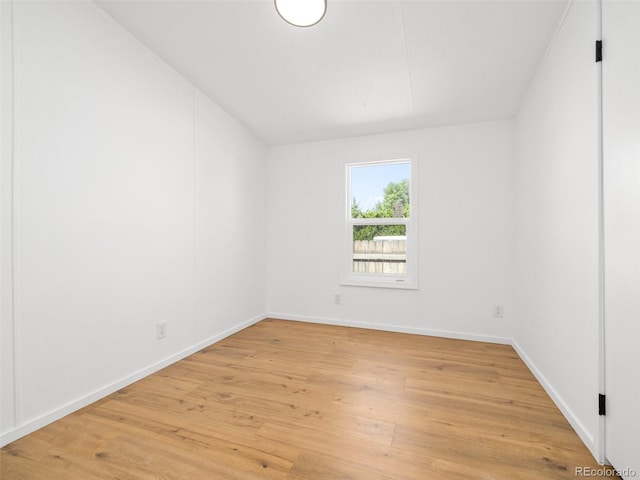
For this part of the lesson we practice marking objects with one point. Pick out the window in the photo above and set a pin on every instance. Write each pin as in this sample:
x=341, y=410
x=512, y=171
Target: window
x=381, y=227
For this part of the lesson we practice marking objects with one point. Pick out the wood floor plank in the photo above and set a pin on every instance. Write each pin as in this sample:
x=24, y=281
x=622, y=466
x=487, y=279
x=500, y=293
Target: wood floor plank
x=285, y=400
x=331, y=468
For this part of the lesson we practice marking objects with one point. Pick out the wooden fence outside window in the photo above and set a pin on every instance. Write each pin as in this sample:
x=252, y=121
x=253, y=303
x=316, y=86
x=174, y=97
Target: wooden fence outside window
x=380, y=256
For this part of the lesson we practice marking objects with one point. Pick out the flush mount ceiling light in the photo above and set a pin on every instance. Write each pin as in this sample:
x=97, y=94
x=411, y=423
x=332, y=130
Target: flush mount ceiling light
x=301, y=13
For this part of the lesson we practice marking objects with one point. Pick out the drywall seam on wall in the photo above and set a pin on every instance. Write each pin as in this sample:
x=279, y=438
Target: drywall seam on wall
x=584, y=434
x=16, y=250
x=391, y=328
x=79, y=403
x=7, y=201
x=194, y=231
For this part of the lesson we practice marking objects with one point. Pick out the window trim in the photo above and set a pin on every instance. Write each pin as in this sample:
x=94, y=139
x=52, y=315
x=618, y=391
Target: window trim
x=408, y=281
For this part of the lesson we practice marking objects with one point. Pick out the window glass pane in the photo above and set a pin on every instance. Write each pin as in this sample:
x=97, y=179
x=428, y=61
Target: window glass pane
x=380, y=249
x=380, y=191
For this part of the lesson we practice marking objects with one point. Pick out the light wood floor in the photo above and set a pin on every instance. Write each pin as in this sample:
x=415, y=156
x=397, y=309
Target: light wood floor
x=297, y=401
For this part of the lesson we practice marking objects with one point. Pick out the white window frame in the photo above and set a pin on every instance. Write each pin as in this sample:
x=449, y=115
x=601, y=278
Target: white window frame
x=408, y=281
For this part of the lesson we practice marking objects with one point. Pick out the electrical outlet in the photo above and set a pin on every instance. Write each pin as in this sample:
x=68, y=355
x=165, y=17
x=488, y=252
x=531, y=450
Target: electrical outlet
x=337, y=299
x=498, y=311
x=161, y=330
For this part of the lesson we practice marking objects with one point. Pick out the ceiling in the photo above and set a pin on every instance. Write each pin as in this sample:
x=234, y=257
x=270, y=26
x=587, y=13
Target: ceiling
x=368, y=67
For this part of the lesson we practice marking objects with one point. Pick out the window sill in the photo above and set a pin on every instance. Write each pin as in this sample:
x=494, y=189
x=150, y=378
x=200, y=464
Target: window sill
x=356, y=282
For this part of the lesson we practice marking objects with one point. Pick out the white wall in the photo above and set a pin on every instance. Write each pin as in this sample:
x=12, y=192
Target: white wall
x=466, y=236
x=230, y=223
x=137, y=200
x=556, y=267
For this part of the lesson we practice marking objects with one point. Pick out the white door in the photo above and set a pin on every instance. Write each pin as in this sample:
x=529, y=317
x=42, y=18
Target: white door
x=621, y=156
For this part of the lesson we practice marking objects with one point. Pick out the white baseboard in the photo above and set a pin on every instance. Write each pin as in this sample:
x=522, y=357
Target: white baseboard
x=58, y=413
x=393, y=328
x=584, y=434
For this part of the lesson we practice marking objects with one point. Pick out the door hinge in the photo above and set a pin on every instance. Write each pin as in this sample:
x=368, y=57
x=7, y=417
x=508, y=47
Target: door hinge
x=598, y=50
x=602, y=404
